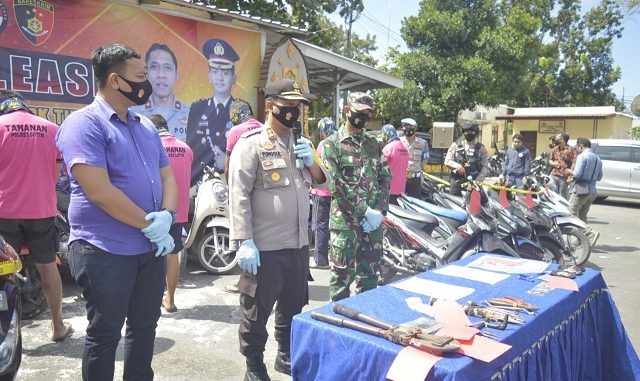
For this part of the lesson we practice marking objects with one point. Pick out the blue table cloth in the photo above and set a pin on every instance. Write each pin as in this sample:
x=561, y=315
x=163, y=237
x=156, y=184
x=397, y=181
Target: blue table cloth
x=574, y=336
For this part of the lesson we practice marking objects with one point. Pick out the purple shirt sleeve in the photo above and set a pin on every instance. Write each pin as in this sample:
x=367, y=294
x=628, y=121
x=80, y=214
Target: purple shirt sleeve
x=82, y=141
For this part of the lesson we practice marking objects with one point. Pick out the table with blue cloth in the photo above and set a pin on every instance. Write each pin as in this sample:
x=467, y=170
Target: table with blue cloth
x=573, y=336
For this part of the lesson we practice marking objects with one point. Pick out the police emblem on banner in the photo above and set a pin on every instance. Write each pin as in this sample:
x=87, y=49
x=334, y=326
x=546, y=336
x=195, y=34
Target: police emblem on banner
x=4, y=16
x=34, y=19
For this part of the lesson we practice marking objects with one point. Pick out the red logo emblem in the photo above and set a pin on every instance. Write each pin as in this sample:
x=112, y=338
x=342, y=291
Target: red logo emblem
x=34, y=19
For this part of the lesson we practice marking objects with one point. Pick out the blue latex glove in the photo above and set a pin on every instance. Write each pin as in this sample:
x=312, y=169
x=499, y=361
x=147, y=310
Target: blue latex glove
x=165, y=245
x=159, y=227
x=249, y=257
x=304, y=151
x=374, y=217
x=366, y=226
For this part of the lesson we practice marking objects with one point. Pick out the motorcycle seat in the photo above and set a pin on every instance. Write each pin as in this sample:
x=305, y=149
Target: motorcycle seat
x=420, y=217
x=439, y=211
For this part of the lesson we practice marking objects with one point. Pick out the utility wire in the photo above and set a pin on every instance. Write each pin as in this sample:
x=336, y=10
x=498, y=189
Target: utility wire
x=376, y=21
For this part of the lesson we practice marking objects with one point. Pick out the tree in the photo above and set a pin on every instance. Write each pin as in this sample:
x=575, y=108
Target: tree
x=520, y=52
x=633, y=6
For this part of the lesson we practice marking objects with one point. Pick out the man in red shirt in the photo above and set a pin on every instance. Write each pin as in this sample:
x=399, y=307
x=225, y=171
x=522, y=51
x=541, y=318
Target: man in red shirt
x=181, y=158
x=241, y=116
x=28, y=195
x=398, y=159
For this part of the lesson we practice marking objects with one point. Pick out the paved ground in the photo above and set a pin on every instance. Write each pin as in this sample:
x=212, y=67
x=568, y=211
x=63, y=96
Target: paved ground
x=199, y=342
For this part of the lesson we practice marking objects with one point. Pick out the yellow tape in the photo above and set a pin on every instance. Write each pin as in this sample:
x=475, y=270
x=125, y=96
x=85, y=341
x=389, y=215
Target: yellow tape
x=436, y=179
x=10, y=267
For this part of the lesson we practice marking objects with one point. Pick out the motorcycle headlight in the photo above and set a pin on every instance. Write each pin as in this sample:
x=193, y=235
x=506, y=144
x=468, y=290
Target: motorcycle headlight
x=220, y=192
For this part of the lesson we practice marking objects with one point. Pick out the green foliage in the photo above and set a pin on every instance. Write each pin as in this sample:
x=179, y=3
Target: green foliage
x=524, y=53
x=323, y=32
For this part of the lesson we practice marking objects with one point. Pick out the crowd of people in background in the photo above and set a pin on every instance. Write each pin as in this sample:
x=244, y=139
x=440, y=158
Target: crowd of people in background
x=130, y=174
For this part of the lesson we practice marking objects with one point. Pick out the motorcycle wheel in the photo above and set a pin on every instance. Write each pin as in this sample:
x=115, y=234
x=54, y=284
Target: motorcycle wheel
x=578, y=247
x=32, y=297
x=215, y=252
x=552, y=250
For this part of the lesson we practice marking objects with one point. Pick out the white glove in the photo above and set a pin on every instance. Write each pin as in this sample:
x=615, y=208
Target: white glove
x=165, y=245
x=374, y=217
x=303, y=151
x=160, y=226
x=249, y=257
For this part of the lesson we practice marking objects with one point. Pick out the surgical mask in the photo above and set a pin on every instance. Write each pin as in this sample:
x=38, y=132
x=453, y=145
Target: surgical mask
x=469, y=136
x=287, y=115
x=140, y=91
x=409, y=131
x=358, y=119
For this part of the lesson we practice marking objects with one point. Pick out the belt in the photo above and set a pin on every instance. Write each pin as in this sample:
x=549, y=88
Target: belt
x=413, y=175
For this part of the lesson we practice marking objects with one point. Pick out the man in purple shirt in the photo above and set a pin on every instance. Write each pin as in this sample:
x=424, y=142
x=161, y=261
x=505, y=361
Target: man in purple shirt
x=123, y=194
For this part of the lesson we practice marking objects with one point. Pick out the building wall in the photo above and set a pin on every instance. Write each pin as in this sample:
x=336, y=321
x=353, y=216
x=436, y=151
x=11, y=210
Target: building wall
x=617, y=127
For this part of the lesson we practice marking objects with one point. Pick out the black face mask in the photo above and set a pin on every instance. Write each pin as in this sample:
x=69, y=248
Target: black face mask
x=409, y=131
x=469, y=136
x=140, y=91
x=358, y=119
x=287, y=115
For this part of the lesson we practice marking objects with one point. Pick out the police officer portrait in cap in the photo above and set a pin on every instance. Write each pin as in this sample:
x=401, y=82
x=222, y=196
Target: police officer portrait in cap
x=467, y=157
x=162, y=72
x=209, y=121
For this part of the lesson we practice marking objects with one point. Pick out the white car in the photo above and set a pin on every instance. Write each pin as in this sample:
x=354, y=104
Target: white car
x=620, y=167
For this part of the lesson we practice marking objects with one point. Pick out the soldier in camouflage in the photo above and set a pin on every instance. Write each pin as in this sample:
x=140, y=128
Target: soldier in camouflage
x=360, y=188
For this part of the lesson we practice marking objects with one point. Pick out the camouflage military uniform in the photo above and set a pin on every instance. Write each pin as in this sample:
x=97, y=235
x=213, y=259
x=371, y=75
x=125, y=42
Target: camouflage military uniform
x=361, y=179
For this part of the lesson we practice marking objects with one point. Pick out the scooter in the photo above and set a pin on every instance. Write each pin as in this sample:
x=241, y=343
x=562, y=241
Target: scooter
x=409, y=248
x=208, y=236
x=10, y=312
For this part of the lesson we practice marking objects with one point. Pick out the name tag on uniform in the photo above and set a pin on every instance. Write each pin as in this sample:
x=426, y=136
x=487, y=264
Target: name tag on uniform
x=270, y=154
x=273, y=164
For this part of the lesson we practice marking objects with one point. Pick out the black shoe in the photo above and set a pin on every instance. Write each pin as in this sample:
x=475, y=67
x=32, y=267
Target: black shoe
x=256, y=370
x=283, y=363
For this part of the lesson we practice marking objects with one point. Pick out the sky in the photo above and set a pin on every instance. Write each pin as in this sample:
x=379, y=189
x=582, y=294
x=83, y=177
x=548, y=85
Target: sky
x=379, y=14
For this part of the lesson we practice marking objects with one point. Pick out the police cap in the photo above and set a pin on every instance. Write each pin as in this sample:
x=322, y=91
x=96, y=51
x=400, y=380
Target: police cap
x=286, y=89
x=220, y=54
x=409, y=121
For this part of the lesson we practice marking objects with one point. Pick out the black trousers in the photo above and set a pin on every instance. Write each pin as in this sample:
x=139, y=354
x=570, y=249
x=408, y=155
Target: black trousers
x=282, y=278
x=414, y=187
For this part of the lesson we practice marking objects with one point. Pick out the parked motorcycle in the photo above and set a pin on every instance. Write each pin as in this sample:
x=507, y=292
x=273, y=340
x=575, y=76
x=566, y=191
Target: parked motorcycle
x=409, y=248
x=10, y=312
x=208, y=236
x=496, y=163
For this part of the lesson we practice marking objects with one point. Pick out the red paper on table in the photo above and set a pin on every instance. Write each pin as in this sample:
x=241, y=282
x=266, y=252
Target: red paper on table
x=482, y=348
x=458, y=332
x=449, y=312
x=412, y=364
x=561, y=282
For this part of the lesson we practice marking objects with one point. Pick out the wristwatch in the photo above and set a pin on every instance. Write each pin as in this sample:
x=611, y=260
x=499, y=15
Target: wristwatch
x=172, y=213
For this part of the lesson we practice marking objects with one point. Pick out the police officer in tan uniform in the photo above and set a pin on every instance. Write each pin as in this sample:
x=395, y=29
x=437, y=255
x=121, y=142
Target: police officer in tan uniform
x=270, y=177
x=418, y=155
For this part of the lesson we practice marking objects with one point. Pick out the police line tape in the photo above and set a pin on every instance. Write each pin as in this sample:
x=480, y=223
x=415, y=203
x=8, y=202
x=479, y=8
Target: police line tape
x=488, y=185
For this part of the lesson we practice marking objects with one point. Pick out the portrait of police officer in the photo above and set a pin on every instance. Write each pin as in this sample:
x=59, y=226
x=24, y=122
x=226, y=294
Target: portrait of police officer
x=270, y=175
x=209, y=122
x=162, y=72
